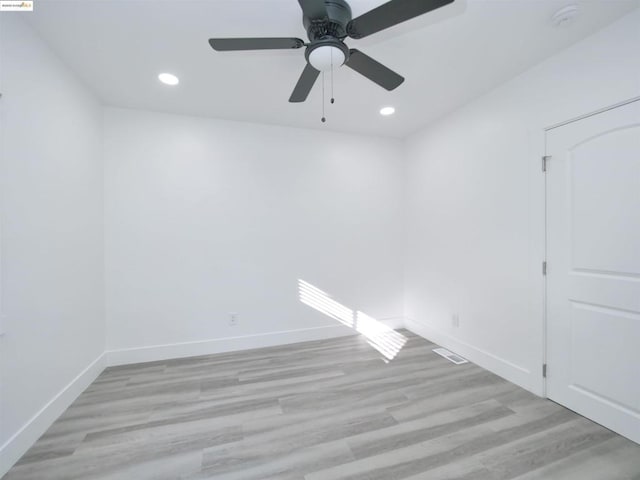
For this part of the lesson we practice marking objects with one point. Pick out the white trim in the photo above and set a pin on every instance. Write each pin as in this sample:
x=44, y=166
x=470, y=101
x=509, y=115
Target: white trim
x=591, y=114
x=507, y=370
x=539, y=240
x=24, y=438
x=393, y=322
x=152, y=353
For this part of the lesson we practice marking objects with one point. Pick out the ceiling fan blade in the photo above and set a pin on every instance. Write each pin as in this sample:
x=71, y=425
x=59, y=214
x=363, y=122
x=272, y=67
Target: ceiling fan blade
x=304, y=85
x=374, y=71
x=229, y=44
x=390, y=14
x=313, y=9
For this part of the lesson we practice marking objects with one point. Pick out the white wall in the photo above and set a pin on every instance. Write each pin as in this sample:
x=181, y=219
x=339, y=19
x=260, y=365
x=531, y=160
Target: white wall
x=207, y=217
x=475, y=203
x=52, y=236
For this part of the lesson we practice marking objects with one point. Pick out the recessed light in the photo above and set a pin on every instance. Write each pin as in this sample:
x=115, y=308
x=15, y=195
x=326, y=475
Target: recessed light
x=386, y=111
x=168, y=79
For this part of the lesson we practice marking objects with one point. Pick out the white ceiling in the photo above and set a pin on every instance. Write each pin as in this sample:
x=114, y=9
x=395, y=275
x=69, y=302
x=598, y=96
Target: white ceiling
x=448, y=57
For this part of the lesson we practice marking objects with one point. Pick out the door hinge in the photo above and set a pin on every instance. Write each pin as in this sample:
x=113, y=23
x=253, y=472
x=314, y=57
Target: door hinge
x=544, y=268
x=544, y=370
x=544, y=162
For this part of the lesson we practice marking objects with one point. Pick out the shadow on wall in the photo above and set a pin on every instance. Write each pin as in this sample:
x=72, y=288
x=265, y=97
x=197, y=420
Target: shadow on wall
x=381, y=337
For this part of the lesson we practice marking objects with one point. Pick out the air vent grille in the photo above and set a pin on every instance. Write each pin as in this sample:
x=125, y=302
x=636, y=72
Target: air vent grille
x=452, y=357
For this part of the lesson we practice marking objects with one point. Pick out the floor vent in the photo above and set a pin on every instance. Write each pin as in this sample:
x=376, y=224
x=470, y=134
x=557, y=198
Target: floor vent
x=452, y=357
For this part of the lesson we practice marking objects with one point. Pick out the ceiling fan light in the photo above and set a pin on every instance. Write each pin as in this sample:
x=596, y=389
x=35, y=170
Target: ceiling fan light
x=324, y=57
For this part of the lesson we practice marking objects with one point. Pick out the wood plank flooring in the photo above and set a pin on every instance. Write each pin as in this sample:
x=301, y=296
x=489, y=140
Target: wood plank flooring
x=325, y=410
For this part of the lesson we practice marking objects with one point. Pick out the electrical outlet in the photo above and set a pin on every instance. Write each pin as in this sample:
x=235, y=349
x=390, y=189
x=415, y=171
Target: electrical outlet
x=455, y=320
x=233, y=318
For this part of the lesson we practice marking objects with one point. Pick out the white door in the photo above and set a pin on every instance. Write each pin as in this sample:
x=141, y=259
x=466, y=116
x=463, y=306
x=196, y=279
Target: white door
x=593, y=268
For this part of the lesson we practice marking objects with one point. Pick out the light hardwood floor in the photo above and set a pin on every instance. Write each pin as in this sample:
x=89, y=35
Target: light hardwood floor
x=331, y=409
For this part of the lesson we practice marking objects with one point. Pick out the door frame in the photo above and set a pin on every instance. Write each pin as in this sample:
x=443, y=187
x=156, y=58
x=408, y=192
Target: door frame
x=546, y=225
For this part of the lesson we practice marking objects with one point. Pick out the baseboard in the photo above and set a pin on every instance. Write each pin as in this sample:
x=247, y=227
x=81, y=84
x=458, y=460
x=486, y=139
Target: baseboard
x=393, y=322
x=24, y=438
x=220, y=345
x=507, y=370
x=153, y=353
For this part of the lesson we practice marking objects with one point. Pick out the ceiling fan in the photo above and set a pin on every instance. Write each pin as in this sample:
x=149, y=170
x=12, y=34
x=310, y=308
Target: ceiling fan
x=328, y=23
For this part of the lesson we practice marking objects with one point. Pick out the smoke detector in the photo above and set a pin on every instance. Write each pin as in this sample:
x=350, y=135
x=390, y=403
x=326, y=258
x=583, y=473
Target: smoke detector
x=565, y=16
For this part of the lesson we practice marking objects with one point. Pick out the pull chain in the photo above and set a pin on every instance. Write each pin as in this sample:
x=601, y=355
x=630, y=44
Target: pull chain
x=332, y=99
x=323, y=117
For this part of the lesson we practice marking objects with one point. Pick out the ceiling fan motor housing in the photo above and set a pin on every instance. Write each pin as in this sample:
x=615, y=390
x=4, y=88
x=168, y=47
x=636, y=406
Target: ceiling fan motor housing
x=334, y=25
